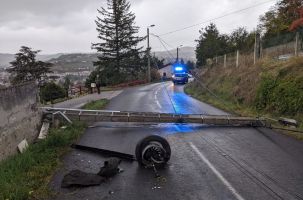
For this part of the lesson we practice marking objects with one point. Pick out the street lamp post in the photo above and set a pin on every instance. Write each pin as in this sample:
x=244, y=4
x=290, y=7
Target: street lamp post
x=148, y=55
x=178, y=52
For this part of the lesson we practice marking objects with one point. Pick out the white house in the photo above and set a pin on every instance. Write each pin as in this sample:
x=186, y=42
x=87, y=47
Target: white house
x=167, y=70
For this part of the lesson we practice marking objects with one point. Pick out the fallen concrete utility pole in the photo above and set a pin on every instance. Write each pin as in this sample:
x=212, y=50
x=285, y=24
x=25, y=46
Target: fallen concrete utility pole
x=91, y=116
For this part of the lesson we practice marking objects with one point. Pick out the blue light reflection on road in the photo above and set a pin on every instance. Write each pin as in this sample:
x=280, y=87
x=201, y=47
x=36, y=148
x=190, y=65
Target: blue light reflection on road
x=181, y=102
x=170, y=129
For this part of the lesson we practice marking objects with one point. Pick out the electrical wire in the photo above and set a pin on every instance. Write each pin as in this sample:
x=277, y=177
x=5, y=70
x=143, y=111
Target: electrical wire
x=156, y=64
x=164, y=86
x=216, y=18
x=162, y=41
x=162, y=82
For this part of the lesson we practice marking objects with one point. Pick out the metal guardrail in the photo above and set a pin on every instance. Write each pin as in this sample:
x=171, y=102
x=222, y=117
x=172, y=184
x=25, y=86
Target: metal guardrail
x=119, y=116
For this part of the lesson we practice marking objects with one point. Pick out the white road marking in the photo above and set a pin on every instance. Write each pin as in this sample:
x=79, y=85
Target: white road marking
x=158, y=103
x=217, y=173
x=156, y=99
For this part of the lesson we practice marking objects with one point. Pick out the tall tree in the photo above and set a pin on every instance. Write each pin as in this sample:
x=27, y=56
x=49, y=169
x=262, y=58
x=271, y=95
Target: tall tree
x=182, y=61
x=241, y=39
x=155, y=61
x=278, y=19
x=190, y=65
x=25, y=67
x=238, y=38
x=119, y=57
x=66, y=84
x=210, y=44
x=52, y=91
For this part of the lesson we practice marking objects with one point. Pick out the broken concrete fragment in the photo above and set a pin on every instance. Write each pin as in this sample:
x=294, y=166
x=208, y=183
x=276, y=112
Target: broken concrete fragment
x=110, y=168
x=22, y=146
x=44, y=130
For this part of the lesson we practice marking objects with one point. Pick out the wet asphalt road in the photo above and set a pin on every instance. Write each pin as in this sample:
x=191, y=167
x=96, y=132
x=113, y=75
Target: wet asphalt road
x=206, y=163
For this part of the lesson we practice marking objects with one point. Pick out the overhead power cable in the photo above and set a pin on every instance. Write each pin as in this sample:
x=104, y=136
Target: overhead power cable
x=216, y=18
x=164, y=85
x=162, y=43
x=197, y=79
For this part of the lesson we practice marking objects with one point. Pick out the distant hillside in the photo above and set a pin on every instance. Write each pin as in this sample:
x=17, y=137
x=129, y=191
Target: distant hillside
x=6, y=58
x=186, y=53
x=74, y=62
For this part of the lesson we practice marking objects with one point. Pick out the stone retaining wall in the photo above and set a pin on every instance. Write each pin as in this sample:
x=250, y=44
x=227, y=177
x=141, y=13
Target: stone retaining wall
x=19, y=117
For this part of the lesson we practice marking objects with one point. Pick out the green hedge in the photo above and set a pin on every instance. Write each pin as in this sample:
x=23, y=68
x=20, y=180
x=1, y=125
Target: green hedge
x=281, y=96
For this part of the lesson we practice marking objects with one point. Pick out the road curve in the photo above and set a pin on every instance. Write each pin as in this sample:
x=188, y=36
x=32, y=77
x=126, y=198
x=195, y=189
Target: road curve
x=206, y=163
x=161, y=97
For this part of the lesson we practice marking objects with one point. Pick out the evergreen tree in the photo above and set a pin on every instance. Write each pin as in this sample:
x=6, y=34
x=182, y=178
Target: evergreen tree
x=52, y=91
x=190, y=65
x=211, y=44
x=25, y=67
x=66, y=84
x=155, y=61
x=182, y=61
x=119, y=57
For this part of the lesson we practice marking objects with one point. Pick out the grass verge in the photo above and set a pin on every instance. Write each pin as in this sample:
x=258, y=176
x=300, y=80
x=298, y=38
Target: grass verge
x=26, y=176
x=235, y=108
x=96, y=105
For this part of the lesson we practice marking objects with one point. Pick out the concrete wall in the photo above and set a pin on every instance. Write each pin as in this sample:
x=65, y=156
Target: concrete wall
x=19, y=117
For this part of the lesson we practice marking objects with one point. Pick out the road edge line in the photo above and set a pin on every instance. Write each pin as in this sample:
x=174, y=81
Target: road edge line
x=216, y=172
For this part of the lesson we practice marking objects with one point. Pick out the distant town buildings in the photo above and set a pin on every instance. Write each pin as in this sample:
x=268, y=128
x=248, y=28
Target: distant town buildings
x=76, y=77
x=4, y=78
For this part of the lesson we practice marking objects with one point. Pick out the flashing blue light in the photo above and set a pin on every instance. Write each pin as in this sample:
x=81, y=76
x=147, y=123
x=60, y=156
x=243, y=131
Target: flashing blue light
x=179, y=69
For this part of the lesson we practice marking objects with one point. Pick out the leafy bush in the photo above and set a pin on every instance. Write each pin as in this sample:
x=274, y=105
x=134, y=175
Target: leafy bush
x=52, y=91
x=264, y=91
x=280, y=96
x=287, y=98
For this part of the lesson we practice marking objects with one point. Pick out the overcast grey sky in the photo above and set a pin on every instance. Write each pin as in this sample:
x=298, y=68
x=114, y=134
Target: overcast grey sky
x=56, y=26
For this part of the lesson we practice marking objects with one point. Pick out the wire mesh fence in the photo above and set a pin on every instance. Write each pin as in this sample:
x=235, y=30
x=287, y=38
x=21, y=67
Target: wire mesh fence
x=280, y=39
x=281, y=47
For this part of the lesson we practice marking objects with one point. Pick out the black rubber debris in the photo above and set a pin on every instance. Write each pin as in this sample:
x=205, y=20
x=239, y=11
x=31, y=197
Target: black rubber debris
x=80, y=178
x=77, y=178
